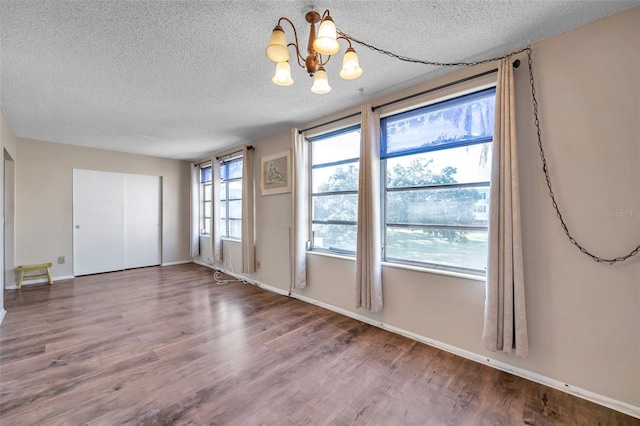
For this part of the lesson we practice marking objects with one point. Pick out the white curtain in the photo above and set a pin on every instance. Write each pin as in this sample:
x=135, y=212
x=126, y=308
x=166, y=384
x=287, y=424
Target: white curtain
x=299, y=210
x=216, y=236
x=195, y=210
x=248, y=227
x=368, y=247
x=505, y=322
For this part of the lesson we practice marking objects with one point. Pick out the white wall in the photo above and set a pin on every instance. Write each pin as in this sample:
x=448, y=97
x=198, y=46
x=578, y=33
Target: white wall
x=44, y=199
x=583, y=316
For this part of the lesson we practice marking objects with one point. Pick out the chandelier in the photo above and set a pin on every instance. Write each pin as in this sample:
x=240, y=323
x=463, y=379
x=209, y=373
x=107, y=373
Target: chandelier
x=319, y=50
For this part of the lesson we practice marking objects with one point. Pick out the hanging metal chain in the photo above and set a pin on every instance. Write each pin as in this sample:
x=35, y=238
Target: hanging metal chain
x=545, y=169
x=434, y=63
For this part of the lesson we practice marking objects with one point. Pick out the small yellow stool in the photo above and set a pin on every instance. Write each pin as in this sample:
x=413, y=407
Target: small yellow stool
x=23, y=268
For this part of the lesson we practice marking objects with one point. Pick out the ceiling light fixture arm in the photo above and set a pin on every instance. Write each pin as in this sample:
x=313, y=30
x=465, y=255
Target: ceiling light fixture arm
x=313, y=60
x=295, y=44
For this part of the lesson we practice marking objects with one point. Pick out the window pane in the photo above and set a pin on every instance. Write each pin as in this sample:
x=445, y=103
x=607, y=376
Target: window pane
x=231, y=169
x=340, y=147
x=207, y=226
x=205, y=174
x=335, y=178
x=223, y=191
x=206, y=188
x=235, y=189
x=207, y=209
x=235, y=228
x=335, y=237
x=335, y=207
x=223, y=209
x=466, y=164
x=437, y=206
x=223, y=227
x=458, y=249
x=235, y=209
x=458, y=120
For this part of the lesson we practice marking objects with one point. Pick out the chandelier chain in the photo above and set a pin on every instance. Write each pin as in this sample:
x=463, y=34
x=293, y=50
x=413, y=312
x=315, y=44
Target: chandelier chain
x=434, y=63
x=545, y=167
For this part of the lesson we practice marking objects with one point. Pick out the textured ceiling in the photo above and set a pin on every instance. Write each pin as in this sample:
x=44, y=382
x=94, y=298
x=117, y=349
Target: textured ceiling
x=181, y=79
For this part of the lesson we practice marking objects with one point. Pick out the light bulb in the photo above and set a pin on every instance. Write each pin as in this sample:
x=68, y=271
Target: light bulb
x=282, y=76
x=350, y=66
x=326, y=42
x=277, y=48
x=321, y=82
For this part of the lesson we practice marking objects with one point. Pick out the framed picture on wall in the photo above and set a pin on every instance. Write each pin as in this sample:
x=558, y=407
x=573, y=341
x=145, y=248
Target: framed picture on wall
x=275, y=173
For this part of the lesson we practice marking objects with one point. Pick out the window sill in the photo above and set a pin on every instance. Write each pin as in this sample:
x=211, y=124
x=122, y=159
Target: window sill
x=407, y=267
x=435, y=271
x=222, y=238
x=334, y=255
x=235, y=240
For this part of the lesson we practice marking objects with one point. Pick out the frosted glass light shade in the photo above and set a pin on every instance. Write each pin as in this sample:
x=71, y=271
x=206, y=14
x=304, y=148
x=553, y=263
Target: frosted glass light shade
x=350, y=65
x=326, y=42
x=283, y=74
x=277, y=48
x=320, y=82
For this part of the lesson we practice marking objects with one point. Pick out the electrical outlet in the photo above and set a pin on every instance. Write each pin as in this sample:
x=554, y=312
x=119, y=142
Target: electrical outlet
x=61, y=259
x=257, y=264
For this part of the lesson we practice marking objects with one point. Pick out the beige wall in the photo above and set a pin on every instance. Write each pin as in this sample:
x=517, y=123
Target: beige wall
x=272, y=220
x=583, y=316
x=44, y=199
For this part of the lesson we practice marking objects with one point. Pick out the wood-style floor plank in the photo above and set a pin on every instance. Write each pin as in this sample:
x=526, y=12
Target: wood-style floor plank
x=169, y=345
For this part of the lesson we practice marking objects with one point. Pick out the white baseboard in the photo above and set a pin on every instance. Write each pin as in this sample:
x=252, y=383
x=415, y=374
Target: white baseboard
x=179, y=262
x=3, y=312
x=620, y=406
x=40, y=281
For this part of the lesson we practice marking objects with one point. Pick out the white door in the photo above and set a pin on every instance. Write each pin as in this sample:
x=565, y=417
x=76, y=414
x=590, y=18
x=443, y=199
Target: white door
x=98, y=222
x=142, y=230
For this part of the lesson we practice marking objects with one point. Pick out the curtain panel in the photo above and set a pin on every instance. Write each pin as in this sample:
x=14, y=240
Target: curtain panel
x=248, y=225
x=368, y=245
x=299, y=211
x=505, y=322
x=195, y=210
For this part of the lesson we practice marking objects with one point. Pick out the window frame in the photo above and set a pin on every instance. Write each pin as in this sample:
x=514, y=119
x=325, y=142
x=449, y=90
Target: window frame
x=224, y=196
x=204, y=185
x=312, y=221
x=385, y=190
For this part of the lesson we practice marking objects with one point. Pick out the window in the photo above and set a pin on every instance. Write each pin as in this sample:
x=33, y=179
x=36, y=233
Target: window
x=231, y=198
x=334, y=190
x=436, y=168
x=205, y=197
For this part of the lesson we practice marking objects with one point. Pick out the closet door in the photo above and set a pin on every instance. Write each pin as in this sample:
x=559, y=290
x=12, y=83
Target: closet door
x=98, y=222
x=142, y=220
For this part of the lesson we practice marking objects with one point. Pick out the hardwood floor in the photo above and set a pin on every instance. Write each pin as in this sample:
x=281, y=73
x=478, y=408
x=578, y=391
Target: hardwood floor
x=167, y=345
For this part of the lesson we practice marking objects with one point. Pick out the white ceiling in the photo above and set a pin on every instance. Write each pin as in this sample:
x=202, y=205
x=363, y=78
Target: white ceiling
x=181, y=79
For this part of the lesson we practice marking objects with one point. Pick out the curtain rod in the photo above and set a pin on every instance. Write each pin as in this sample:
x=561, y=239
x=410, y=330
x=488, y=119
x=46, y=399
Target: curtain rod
x=516, y=64
x=250, y=147
x=328, y=122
